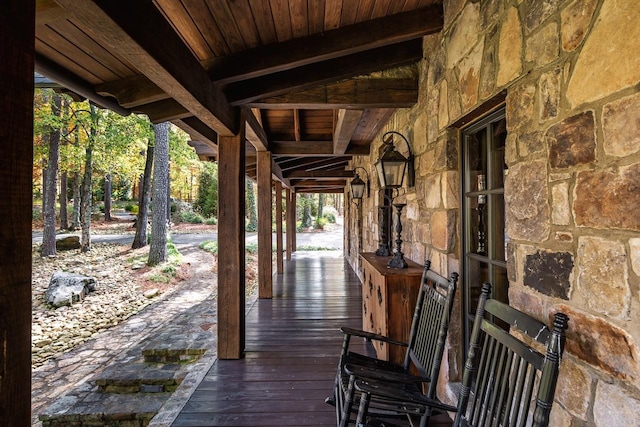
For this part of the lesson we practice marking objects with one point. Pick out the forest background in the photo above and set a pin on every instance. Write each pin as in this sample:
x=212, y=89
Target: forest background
x=88, y=161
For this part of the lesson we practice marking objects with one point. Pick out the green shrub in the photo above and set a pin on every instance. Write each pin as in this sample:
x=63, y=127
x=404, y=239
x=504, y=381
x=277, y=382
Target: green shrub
x=209, y=246
x=191, y=217
x=211, y=221
x=330, y=217
x=130, y=207
x=320, y=223
x=206, y=201
x=252, y=248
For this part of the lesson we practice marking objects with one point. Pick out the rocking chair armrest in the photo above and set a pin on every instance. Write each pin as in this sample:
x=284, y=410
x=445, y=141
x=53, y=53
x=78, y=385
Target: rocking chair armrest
x=371, y=336
x=400, y=395
x=372, y=373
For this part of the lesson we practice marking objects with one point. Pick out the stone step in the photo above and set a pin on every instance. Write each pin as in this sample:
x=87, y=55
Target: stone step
x=140, y=378
x=170, y=355
x=166, y=348
x=86, y=406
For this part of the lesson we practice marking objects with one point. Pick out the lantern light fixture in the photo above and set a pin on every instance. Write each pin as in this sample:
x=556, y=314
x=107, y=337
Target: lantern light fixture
x=393, y=166
x=358, y=186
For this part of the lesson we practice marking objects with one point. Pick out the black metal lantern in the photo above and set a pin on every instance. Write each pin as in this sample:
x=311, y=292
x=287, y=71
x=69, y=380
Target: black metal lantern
x=358, y=185
x=393, y=166
x=357, y=188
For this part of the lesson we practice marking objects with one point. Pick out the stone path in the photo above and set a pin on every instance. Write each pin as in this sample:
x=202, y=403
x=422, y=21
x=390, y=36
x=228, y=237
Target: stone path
x=182, y=322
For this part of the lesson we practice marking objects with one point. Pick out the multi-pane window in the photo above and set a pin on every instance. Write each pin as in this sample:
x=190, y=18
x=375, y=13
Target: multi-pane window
x=483, y=225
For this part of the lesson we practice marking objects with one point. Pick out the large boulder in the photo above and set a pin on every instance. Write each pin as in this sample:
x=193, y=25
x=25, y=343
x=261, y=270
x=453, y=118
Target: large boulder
x=67, y=288
x=68, y=243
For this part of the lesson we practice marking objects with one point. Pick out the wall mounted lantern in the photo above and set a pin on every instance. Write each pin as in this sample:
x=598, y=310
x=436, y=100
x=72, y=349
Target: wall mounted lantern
x=358, y=185
x=393, y=166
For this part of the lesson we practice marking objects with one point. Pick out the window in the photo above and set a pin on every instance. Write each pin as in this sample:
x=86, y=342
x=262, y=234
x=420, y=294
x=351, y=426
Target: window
x=483, y=225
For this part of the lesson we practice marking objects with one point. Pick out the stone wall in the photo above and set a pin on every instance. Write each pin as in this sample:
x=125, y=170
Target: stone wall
x=571, y=73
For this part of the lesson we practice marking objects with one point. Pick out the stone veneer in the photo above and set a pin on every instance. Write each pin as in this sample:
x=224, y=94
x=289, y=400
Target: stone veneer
x=571, y=75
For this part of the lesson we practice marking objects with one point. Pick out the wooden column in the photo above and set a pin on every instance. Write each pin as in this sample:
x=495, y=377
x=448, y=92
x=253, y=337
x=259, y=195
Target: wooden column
x=17, y=18
x=294, y=242
x=265, y=241
x=279, y=246
x=289, y=221
x=231, y=241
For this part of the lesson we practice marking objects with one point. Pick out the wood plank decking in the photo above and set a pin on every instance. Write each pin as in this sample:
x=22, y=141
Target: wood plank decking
x=292, y=348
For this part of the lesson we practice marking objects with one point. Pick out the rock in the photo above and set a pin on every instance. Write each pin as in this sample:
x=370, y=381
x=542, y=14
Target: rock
x=151, y=293
x=67, y=288
x=68, y=243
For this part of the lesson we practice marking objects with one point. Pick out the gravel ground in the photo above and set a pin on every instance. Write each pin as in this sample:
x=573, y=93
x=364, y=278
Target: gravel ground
x=119, y=294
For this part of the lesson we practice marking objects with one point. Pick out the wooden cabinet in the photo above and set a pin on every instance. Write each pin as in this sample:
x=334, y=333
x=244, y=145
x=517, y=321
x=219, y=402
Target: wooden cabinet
x=388, y=300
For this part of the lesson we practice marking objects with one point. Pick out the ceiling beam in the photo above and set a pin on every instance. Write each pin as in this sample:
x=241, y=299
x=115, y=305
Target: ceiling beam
x=255, y=133
x=312, y=148
x=140, y=34
x=347, y=123
x=327, y=45
x=198, y=131
x=313, y=183
x=163, y=111
x=132, y=91
x=203, y=149
x=306, y=163
x=330, y=71
x=65, y=78
x=331, y=190
x=354, y=93
x=319, y=174
x=330, y=163
x=278, y=175
x=47, y=12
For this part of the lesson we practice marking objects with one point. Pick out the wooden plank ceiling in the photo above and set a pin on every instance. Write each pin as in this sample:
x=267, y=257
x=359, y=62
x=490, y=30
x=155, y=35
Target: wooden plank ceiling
x=310, y=74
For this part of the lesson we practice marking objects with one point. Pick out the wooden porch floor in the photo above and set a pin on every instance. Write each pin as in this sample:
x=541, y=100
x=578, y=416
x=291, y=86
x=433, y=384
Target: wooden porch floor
x=292, y=348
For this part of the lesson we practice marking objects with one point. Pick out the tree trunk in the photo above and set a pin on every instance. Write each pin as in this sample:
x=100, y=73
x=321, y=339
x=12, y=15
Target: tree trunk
x=75, y=213
x=63, y=197
x=169, y=194
x=158, y=249
x=64, y=215
x=140, y=239
x=85, y=205
x=50, y=185
x=306, y=213
x=85, y=208
x=320, y=204
x=107, y=197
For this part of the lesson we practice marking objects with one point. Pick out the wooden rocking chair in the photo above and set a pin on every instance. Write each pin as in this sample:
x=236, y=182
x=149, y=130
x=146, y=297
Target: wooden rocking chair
x=506, y=382
x=423, y=351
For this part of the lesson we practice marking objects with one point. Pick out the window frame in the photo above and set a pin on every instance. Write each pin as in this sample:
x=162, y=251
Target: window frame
x=490, y=192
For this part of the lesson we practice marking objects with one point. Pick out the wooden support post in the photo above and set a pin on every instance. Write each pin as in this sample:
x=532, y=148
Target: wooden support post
x=231, y=242
x=279, y=246
x=17, y=18
x=294, y=242
x=289, y=222
x=265, y=242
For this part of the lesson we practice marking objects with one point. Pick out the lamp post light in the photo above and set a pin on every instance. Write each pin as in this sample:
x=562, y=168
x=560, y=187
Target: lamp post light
x=392, y=168
x=358, y=185
x=357, y=193
x=383, y=247
x=398, y=260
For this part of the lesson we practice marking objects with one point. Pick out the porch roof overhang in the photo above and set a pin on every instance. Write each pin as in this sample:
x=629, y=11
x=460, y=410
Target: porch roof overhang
x=315, y=75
